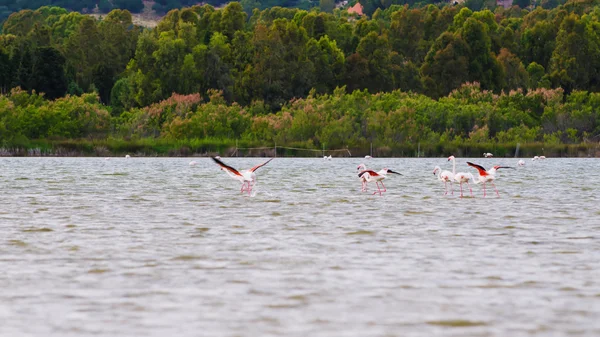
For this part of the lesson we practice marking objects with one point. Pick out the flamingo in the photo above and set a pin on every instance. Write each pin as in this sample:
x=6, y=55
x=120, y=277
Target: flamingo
x=535, y=158
x=521, y=162
x=368, y=157
x=193, y=163
x=363, y=179
x=445, y=176
x=377, y=177
x=462, y=177
x=127, y=156
x=487, y=176
x=488, y=155
x=246, y=177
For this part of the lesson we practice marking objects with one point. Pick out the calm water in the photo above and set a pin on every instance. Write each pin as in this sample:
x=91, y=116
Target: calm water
x=154, y=247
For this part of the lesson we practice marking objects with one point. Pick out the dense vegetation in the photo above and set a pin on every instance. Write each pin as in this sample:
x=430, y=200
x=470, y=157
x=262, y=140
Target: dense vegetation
x=445, y=77
x=135, y=6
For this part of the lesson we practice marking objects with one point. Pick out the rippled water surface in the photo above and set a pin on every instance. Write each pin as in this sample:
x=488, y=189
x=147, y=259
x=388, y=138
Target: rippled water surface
x=155, y=247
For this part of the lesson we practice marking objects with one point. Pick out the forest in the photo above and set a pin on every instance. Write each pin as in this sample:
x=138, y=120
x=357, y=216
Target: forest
x=438, y=78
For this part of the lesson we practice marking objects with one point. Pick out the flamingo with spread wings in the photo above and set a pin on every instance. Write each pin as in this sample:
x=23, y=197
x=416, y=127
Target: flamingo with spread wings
x=246, y=177
x=377, y=177
x=487, y=176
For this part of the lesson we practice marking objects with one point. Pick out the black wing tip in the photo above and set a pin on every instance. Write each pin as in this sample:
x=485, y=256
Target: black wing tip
x=216, y=160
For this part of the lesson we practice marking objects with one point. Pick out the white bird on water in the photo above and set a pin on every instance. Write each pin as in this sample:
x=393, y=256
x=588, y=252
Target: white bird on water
x=193, y=163
x=446, y=176
x=487, y=176
x=461, y=177
x=377, y=177
x=363, y=179
x=246, y=177
x=521, y=162
x=488, y=155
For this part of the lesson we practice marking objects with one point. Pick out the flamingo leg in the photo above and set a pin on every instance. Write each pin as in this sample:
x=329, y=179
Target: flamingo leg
x=498, y=194
x=384, y=189
x=484, y=189
x=470, y=189
x=451, y=188
x=243, y=187
x=445, y=187
x=378, y=189
x=461, y=193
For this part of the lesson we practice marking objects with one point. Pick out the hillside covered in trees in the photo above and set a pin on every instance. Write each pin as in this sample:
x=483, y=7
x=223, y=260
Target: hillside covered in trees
x=445, y=76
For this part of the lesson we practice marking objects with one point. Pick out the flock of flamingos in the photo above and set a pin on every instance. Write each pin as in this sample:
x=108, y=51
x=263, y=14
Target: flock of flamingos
x=248, y=177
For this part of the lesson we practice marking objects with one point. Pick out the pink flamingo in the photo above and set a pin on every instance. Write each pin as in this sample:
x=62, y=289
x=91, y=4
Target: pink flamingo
x=377, y=177
x=446, y=176
x=246, y=177
x=487, y=176
x=363, y=179
x=462, y=177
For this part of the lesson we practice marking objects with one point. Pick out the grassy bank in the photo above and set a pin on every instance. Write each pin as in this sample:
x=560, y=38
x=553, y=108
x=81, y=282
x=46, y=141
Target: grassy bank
x=149, y=147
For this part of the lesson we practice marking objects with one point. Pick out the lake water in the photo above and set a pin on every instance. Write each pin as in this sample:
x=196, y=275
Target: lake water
x=155, y=247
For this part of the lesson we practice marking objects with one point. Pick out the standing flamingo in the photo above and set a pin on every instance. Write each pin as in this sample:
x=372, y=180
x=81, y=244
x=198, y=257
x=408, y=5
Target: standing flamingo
x=487, y=176
x=246, y=177
x=446, y=177
x=377, y=177
x=521, y=162
x=461, y=177
x=363, y=179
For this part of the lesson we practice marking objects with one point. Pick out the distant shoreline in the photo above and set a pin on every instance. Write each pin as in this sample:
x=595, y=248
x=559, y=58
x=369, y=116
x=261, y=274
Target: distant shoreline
x=206, y=148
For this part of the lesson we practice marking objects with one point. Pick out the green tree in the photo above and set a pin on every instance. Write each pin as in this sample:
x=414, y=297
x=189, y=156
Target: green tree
x=446, y=65
x=516, y=77
x=326, y=5
x=575, y=61
x=48, y=75
x=82, y=52
x=483, y=66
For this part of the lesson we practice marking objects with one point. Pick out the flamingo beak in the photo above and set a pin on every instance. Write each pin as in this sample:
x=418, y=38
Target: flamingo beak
x=394, y=172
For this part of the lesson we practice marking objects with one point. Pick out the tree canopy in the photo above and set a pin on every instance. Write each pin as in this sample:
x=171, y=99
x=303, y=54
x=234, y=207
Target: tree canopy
x=265, y=64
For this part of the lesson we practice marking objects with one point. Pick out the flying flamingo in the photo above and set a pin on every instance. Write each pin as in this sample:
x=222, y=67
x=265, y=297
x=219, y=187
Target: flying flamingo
x=487, y=176
x=377, y=177
x=246, y=177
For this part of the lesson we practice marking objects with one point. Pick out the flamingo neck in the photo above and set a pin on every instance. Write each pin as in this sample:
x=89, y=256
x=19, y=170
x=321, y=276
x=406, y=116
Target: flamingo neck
x=439, y=172
x=453, y=166
x=473, y=178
